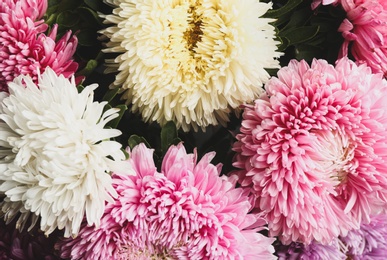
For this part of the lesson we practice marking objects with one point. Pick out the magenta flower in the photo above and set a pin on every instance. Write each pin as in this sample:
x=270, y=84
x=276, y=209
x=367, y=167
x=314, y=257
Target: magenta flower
x=186, y=211
x=314, y=149
x=313, y=251
x=365, y=32
x=370, y=241
x=25, y=49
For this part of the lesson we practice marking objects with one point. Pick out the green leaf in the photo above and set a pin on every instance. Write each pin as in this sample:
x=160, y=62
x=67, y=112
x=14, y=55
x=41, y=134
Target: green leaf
x=300, y=34
x=176, y=141
x=135, y=140
x=110, y=94
x=126, y=153
x=95, y=4
x=80, y=88
x=67, y=19
x=87, y=37
x=89, y=68
x=168, y=135
x=288, y=7
x=68, y=5
x=50, y=19
x=284, y=44
x=272, y=72
x=89, y=16
x=307, y=52
x=53, y=2
x=116, y=120
x=298, y=18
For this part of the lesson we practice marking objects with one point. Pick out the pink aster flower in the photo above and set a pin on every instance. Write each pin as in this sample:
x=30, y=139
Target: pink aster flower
x=186, y=211
x=370, y=241
x=25, y=49
x=365, y=32
x=314, y=149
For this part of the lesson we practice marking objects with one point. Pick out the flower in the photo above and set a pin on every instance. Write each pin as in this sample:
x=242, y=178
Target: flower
x=24, y=47
x=190, y=62
x=365, y=32
x=313, y=251
x=186, y=211
x=17, y=245
x=34, y=10
x=54, y=156
x=370, y=241
x=313, y=149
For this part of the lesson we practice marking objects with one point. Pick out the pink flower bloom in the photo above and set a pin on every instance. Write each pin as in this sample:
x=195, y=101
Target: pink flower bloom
x=370, y=241
x=25, y=49
x=314, y=149
x=185, y=212
x=365, y=32
x=34, y=9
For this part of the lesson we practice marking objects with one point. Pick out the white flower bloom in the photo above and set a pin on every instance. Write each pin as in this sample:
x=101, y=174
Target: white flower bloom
x=55, y=155
x=190, y=61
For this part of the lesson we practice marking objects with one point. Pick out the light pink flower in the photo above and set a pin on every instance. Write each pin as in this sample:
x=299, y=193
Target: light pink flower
x=185, y=212
x=365, y=32
x=314, y=149
x=25, y=49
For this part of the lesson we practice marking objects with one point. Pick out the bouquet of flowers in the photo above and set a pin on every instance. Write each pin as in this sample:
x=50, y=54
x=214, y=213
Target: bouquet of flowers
x=206, y=129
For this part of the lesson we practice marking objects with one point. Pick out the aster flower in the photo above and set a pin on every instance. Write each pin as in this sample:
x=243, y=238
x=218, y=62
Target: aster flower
x=313, y=149
x=190, y=62
x=23, y=245
x=313, y=251
x=186, y=211
x=370, y=241
x=54, y=153
x=25, y=48
x=365, y=32
x=26, y=8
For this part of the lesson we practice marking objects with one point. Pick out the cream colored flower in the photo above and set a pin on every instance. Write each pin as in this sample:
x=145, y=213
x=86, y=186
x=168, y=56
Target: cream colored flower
x=54, y=154
x=190, y=61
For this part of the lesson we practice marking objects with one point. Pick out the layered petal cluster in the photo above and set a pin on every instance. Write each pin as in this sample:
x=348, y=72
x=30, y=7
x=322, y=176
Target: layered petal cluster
x=23, y=245
x=192, y=61
x=313, y=148
x=312, y=251
x=186, y=211
x=370, y=241
x=25, y=48
x=55, y=155
x=365, y=32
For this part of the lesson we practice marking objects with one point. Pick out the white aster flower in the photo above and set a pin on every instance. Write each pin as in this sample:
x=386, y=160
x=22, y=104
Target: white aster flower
x=55, y=155
x=190, y=61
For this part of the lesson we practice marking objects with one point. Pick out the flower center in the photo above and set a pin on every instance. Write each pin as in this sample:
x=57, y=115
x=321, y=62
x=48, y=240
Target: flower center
x=194, y=34
x=335, y=154
x=130, y=252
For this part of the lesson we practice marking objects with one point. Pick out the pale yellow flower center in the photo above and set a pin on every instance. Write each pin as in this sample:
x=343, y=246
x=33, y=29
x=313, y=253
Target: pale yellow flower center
x=194, y=33
x=129, y=252
x=335, y=157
